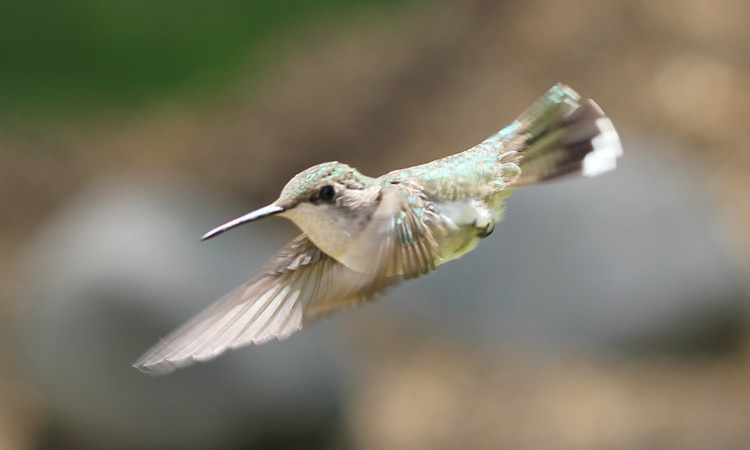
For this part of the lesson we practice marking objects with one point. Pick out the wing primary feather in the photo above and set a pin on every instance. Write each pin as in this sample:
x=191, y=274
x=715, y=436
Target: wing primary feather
x=256, y=329
x=289, y=308
x=209, y=347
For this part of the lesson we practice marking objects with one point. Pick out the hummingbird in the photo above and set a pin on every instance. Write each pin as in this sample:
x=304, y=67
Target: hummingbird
x=361, y=235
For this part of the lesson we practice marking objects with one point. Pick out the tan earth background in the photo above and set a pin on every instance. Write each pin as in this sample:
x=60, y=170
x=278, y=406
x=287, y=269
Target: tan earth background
x=386, y=86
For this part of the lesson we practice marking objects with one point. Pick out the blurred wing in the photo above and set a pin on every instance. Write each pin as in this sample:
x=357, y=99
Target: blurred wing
x=300, y=284
x=397, y=236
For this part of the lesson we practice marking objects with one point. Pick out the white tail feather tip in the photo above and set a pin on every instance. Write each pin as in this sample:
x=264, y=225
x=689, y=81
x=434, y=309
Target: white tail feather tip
x=607, y=149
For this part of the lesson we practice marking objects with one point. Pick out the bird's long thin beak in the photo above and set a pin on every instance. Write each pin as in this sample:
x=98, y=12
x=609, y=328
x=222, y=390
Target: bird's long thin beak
x=249, y=217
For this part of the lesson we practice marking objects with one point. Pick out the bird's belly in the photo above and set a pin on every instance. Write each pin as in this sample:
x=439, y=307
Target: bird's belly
x=457, y=244
x=465, y=222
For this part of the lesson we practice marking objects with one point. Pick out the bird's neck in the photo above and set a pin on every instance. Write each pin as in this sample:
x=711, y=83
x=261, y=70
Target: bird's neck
x=333, y=227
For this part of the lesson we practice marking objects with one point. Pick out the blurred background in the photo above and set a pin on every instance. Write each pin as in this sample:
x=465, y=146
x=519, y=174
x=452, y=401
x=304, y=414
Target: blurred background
x=607, y=313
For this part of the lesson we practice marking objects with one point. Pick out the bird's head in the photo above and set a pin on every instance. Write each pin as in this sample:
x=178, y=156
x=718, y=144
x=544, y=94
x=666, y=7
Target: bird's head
x=330, y=202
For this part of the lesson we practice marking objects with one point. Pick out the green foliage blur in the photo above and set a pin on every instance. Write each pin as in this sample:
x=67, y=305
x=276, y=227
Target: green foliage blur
x=72, y=56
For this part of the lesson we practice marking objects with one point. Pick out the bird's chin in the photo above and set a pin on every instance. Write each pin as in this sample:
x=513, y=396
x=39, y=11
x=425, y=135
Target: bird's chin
x=321, y=227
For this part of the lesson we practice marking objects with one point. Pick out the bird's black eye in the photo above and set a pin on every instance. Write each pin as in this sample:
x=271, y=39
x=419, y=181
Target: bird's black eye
x=327, y=192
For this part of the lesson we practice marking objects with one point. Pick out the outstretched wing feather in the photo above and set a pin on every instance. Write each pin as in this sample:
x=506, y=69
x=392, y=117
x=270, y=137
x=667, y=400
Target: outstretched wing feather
x=300, y=285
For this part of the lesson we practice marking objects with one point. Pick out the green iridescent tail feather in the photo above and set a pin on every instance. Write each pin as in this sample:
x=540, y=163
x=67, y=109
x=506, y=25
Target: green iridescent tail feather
x=562, y=134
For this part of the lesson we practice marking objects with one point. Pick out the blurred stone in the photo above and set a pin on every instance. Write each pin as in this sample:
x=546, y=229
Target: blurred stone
x=428, y=396
x=122, y=265
x=633, y=259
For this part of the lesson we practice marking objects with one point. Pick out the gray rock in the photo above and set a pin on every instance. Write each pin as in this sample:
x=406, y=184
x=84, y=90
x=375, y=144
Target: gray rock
x=633, y=259
x=122, y=265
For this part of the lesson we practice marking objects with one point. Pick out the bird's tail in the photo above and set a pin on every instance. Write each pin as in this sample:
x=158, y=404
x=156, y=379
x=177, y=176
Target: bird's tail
x=562, y=134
